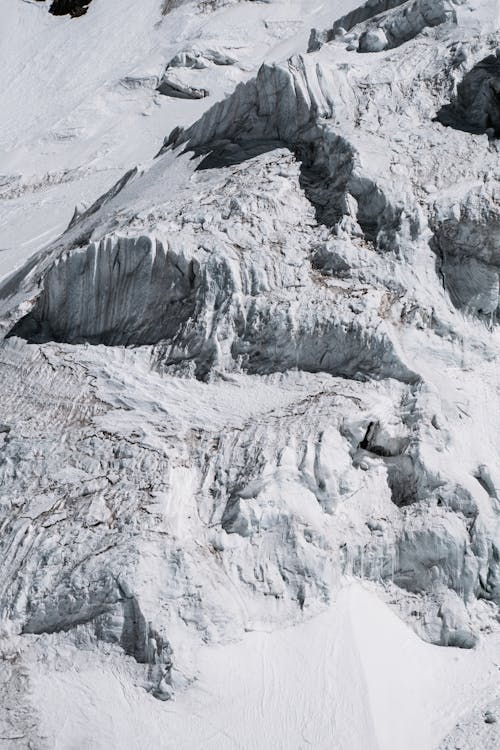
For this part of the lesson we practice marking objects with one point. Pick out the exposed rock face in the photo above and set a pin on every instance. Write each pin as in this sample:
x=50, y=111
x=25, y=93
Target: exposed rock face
x=73, y=8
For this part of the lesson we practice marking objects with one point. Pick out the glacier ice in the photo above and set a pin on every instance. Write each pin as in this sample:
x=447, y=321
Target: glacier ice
x=264, y=364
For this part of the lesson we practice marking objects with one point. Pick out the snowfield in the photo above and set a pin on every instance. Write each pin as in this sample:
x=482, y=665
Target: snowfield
x=334, y=681
x=249, y=410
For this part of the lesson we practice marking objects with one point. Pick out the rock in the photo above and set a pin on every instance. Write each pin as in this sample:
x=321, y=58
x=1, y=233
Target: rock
x=73, y=8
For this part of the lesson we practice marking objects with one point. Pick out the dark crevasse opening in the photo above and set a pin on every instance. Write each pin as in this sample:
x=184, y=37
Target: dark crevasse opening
x=73, y=8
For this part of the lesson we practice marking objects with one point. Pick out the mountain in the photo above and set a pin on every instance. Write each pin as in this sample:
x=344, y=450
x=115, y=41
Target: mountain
x=248, y=362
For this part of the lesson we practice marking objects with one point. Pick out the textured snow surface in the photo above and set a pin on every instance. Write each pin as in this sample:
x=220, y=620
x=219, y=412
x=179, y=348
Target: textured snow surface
x=249, y=413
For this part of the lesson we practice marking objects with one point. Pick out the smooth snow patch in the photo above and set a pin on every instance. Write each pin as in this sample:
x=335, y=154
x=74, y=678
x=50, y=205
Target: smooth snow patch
x=354, y=678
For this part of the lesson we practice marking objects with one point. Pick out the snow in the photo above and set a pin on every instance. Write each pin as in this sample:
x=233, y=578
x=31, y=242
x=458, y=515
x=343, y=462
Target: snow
x=67, y=116
x=355, y=676
x=249, y=413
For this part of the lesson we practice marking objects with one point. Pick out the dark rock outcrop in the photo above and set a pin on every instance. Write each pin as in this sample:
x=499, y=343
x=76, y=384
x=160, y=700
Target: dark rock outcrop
x=73, y=8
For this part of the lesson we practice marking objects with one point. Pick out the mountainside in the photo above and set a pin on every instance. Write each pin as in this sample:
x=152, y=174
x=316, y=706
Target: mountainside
x=249, y=472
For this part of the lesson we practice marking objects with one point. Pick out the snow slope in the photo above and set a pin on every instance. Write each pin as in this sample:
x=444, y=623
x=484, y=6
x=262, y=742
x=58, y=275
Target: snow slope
x=80, y=108
x=340, y=680
x=249, y=474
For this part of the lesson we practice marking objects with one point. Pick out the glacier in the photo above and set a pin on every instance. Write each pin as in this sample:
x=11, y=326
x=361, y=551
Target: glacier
x=249, y=474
